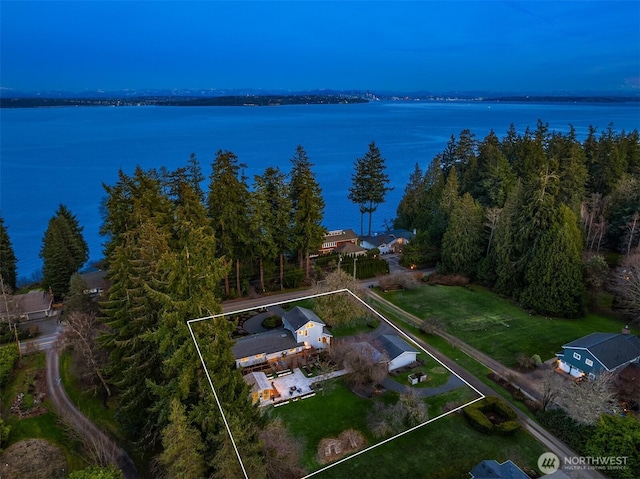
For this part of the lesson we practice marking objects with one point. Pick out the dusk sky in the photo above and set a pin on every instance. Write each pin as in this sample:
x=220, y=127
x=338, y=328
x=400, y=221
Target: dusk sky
x=508, y=46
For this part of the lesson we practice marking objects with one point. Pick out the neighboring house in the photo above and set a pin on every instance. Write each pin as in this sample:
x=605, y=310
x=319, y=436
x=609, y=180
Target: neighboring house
x=491, y=469
x=96, y=283
x=388, y=242
x=336, y=238
x=598, y=352
x=301, y=329
x=32, y=305
x=398, y=352
x=350, y=249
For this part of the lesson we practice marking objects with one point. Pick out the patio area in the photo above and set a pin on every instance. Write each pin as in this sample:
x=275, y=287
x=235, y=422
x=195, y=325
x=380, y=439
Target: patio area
x=295, y=386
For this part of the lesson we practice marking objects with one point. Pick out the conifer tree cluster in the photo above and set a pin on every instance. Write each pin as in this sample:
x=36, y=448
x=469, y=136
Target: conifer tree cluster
x=518, y=214
x=172, y=253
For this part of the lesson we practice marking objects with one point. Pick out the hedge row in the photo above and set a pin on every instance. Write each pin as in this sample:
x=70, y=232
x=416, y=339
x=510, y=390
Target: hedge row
x=8, y=360
x=476, y=415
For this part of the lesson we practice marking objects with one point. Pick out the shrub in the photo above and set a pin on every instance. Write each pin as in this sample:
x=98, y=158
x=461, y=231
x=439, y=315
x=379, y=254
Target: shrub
x=507, y=428
x=8, y=360
x=475, y=414
x=448, y=279
x=478, y=420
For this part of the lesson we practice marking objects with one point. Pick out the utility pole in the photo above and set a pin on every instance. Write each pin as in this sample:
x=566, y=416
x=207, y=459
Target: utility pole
x=355, y=258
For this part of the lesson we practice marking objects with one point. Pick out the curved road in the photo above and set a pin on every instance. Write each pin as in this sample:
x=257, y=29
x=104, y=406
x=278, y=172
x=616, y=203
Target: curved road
x=66, y=408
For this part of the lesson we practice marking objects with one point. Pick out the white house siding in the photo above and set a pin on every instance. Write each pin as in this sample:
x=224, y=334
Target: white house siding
x=404, y=359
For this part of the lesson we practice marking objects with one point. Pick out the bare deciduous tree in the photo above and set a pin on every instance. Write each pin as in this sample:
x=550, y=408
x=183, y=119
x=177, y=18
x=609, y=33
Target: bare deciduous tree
x=339, y=308
x=626, y=284
x=587, y=400
x=282, y=452
x=98, y=448
x=552, y=385
x=81, y=332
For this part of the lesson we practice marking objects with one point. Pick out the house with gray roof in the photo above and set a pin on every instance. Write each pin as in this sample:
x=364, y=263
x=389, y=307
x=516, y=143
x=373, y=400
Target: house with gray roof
x=397, y=350
x=334, y=239
x=387, y=242
x=301, y=329
x=32, y=305
x=598, y=352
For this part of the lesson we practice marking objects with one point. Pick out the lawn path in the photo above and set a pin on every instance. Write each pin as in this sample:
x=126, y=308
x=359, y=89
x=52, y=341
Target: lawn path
x=64, y=407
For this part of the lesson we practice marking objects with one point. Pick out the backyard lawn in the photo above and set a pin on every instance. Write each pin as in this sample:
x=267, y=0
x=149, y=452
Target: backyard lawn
x=495, y=325
x=420, y=453
x=326, y=416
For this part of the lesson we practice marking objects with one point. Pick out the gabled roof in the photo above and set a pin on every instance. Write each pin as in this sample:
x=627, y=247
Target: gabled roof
x=31, y=302
x=379, y=239
x=491, y=469
x=279, y=339
x=340, y=235
x=366, y=350
x=349, y=248
x=298, y=317
x=611, y=349
x=394, y=346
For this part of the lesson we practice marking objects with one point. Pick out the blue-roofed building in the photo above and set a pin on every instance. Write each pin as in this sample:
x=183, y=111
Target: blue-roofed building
x=492, y=469
x=598, y=352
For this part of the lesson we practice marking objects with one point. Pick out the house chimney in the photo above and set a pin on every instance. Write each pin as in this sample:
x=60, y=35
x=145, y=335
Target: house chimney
x=626, y=329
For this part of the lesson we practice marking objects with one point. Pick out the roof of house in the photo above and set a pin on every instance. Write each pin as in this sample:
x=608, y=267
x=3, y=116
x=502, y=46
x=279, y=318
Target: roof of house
x=491, y=469
x=340, y=235
x=269, y=342
x=257, y=380
x=379, y=240
x=394, y=346
x=95, y=279
x=298, y=317
x=611, y=349
x=31, y=302
x=366, y=349
x=349, y=248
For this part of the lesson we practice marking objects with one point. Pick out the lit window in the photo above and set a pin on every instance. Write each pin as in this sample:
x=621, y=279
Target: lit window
x=300, y=333
x=576, y=356
x=588, y=362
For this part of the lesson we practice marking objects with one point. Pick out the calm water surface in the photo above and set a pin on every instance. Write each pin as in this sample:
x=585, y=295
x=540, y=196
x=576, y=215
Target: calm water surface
x=50, y=156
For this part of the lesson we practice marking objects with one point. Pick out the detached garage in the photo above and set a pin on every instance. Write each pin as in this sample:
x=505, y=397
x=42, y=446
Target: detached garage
x=399, y=352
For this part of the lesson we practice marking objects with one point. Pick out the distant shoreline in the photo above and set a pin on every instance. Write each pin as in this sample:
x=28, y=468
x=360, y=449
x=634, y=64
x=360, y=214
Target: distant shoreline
x=244, y=100
x=281, y=100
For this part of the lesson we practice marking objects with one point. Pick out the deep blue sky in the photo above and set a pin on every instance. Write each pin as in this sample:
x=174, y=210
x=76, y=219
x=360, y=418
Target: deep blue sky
x=511, y=46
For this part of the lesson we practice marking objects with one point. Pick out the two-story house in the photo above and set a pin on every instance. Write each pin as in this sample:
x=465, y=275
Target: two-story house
x=598, y=352
x=301, y=329
x=336, y=238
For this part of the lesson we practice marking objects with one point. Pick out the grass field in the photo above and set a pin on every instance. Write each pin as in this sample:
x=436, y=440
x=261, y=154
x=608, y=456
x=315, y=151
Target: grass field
x=495, y=325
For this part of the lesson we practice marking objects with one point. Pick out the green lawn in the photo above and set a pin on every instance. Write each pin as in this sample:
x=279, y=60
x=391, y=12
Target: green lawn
x=495, y=325
x=437, y=375
x=313, y=419
x=446, y=448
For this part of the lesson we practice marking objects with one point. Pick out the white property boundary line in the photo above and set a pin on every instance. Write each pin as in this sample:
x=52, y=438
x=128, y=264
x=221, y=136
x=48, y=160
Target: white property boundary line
x=404, y=335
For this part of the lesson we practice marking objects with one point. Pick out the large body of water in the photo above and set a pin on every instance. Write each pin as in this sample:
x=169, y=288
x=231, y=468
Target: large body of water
x=50, y=156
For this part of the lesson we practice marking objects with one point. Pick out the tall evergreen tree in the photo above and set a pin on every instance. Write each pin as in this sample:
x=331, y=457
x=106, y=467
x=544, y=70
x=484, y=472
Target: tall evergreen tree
x=63, y=252
x=554, y=272
x=494, y=176
x=369, y=183
x=8, y=260
x=464, y=241
x=409, y=207
x=307, y=209
x=271, y=218
x=228, y=206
